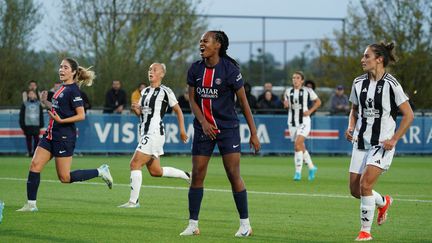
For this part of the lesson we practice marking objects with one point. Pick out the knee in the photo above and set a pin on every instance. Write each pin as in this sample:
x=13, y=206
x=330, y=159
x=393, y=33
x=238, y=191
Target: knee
x=35, y=167
x=64, y=178
x=365, y=188
x=134, y=165
x=298, y=146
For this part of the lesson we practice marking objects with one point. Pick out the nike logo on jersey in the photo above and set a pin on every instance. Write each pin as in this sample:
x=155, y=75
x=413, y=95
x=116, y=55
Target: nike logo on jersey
x=235, y=146
x=62, y=151
x=364, y=90
x=198, y=79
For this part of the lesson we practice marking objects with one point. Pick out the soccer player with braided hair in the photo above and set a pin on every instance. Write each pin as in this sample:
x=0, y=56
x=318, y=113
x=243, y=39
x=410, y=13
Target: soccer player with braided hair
x=214, y=81
x=376, y=97
x=66, y=108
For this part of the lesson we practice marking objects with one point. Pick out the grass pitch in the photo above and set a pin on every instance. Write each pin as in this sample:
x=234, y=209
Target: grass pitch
x=280, y=209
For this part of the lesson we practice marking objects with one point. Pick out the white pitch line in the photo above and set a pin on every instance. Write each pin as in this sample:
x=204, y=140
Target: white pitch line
x=223, y=190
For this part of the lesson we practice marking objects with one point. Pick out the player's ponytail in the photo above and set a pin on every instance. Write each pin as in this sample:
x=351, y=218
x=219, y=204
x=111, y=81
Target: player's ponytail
x=82, y=75
x=222, y=38
x=385, y=50
x=85, y=76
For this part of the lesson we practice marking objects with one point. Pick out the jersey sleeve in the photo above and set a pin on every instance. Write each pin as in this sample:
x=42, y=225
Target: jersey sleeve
x=399, y=95
x=235, y=79
x=77, y=101
x=172, y=99
x=312, y=94
x=353, y=96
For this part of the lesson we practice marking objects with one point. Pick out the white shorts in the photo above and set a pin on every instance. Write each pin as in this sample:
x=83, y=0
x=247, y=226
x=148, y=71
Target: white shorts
x=303, y=130
x=152, y=145
x=375, y=156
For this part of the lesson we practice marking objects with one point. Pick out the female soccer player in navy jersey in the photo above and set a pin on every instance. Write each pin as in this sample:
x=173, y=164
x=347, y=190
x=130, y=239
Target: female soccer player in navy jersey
x=213, y=83
x=151, y=109
x=376, y=98
x=66, y=108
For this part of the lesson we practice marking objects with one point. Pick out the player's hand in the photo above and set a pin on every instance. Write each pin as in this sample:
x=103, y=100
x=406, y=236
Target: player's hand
x=183, y=136
x=208, y=129
x=307, y=113
x=389, y=144
x=55, y=117
x=286, y=104
x=254, y=143
x=349, y=134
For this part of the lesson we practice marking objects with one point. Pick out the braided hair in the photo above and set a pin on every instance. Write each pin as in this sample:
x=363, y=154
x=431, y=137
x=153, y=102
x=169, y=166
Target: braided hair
x=384, y=50
x=222, y=38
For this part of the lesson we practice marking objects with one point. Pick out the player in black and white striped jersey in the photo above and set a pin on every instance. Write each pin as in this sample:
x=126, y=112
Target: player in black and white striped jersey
x=376, y=98
x=299, y=122
x=151, y=109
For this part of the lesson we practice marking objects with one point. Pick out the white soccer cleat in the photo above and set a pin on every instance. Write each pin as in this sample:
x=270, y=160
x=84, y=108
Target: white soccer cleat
x=244, y=231
x=104, y=172
x=189, y=174
x=129, y=205
x=191, y=229
x=28, y=208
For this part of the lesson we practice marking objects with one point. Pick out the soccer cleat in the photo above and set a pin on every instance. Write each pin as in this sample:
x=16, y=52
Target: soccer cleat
x=297, y=176
x=244, y=231
x=129, y=205
x=382, y=212
x=312, y=173
x=364, y=236
x=28, y=208
x=189, y=174
x=191, y=229
x=106, y=175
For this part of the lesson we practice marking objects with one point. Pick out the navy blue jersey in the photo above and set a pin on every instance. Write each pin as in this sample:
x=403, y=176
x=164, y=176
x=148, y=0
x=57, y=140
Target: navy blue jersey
x=64, y=102
x=215, y=89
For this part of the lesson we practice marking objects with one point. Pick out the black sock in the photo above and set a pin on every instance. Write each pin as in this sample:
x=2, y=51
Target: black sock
x=33, y=181
x=83, y=175
x=195, y=197
x=241, y=202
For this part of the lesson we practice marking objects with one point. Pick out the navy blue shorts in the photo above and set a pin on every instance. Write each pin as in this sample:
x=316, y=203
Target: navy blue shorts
x=58, y=148
x=228, y=141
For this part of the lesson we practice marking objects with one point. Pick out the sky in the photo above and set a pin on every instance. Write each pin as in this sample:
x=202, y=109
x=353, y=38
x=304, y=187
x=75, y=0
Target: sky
x=242, y=31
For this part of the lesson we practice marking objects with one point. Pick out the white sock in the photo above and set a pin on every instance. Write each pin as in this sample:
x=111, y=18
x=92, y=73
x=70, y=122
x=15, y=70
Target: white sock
x=298, y=161
x=193, y=222
x=307, y=159
x=245, y=222
x=173, y=172
x=32, y=202
x=367, y=210
x=135, y=182
x=379, y=200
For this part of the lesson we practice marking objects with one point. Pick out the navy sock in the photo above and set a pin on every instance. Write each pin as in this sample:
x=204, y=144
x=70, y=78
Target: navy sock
x=195, y=197
x=241, y=202
x=33, y=181
x=83, y=175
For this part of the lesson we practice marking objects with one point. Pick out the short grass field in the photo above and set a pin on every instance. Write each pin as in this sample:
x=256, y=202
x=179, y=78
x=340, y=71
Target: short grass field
x=280, y=209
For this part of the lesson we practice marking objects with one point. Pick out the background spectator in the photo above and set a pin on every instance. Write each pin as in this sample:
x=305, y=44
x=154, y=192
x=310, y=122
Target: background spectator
x=51, y=92
x=183, y=101
x=136, y=94
x=115, y=98
x=339, y=103
x=31, y=120
x=269, y=87
x=267, y=105
x=250, y=97
x=86, y=101
x=32, y=85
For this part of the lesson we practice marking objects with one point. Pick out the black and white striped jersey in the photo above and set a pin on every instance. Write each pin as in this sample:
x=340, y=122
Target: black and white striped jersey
x=378, y=103
x=154, y=103
x=298, y=103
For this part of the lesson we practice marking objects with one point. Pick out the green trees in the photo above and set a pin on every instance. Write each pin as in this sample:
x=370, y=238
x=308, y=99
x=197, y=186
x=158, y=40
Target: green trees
x=407, y=23
x=122, y=38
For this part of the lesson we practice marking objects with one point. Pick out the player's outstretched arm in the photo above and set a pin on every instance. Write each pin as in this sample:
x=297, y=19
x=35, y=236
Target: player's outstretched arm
x=180, y=120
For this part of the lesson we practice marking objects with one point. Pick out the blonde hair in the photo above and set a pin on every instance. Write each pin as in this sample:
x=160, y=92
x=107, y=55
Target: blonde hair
x=85, y=76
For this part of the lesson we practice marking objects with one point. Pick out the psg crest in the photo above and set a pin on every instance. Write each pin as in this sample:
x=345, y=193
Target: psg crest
x=218, y=81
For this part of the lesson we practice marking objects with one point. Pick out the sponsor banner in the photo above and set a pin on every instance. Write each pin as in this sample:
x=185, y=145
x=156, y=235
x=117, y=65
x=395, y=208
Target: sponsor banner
x=119, y=134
